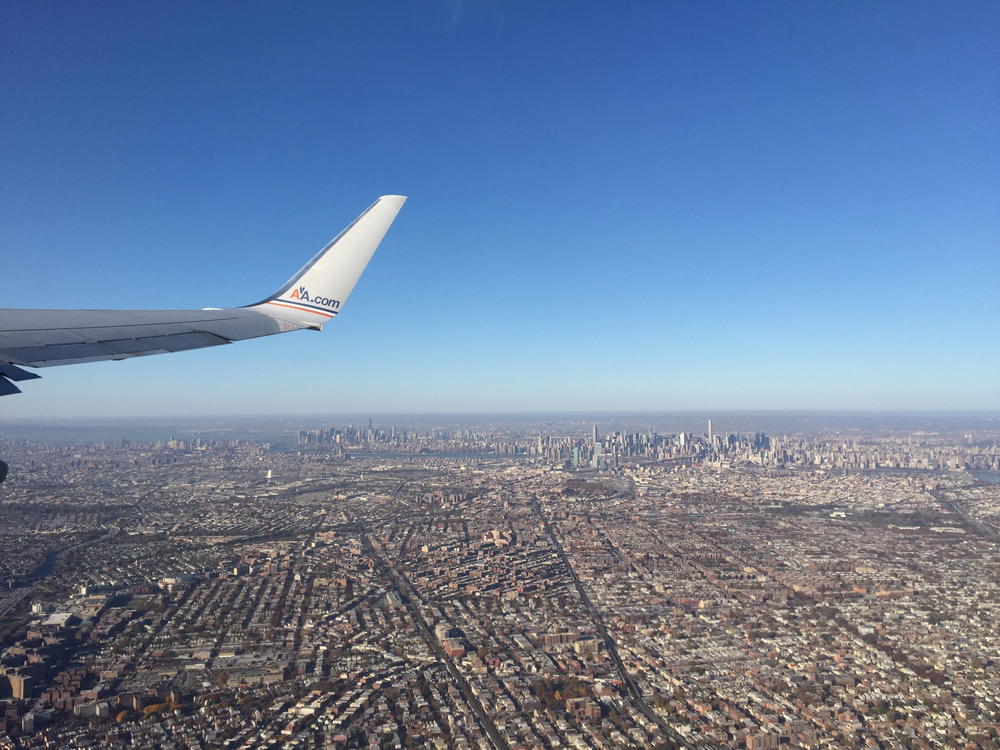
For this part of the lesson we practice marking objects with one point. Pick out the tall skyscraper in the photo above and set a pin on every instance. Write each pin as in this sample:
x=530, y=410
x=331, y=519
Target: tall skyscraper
x=710, y=432
x=594, y=437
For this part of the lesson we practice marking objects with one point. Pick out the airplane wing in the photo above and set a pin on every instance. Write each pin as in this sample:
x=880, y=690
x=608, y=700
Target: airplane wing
x=311, y=298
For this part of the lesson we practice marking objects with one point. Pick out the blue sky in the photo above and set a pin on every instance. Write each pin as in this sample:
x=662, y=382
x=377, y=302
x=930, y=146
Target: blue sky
x=620, y=206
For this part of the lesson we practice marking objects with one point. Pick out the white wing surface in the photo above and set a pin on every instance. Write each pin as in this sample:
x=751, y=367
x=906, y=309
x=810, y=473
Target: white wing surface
x=312, y=297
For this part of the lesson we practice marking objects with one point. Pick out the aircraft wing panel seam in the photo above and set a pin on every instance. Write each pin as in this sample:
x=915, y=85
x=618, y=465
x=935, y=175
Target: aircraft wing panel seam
x=117, y=325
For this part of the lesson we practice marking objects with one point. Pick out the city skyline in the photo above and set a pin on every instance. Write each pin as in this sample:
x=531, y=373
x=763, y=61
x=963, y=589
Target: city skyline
x=669, y=207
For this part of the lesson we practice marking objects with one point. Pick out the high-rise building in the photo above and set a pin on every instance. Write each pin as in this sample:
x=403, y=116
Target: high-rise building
x=21, y=685
x=597, y=459
x=594, y=435
x=710, y=432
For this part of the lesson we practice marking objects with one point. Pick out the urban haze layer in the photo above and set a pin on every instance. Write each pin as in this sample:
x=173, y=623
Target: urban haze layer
x=541, y=582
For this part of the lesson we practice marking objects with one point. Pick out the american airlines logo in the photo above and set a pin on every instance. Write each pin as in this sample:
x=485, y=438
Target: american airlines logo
x=302, y=294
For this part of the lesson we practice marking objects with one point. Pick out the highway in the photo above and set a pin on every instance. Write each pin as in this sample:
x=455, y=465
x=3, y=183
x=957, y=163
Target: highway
x=981, y=528
x=14, y=599
x=46, y=566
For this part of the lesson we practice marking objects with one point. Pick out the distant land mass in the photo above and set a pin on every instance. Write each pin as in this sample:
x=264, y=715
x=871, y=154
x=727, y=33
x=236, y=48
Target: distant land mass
x=278, y=429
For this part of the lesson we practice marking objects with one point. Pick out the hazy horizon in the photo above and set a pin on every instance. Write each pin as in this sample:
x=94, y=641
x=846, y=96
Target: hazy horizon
x=266, y=427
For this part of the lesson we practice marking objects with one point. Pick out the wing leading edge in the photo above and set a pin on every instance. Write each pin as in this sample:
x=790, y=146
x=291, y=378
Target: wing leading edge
x=312, y=297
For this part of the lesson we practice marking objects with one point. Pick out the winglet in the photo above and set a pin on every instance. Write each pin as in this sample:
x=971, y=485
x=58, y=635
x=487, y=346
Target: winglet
x=321, y=287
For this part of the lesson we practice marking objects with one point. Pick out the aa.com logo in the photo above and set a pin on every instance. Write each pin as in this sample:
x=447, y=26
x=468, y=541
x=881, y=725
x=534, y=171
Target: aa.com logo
x=302, y=295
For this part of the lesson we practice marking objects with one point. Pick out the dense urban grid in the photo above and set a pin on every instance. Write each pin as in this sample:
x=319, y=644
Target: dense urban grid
x=505, y=585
